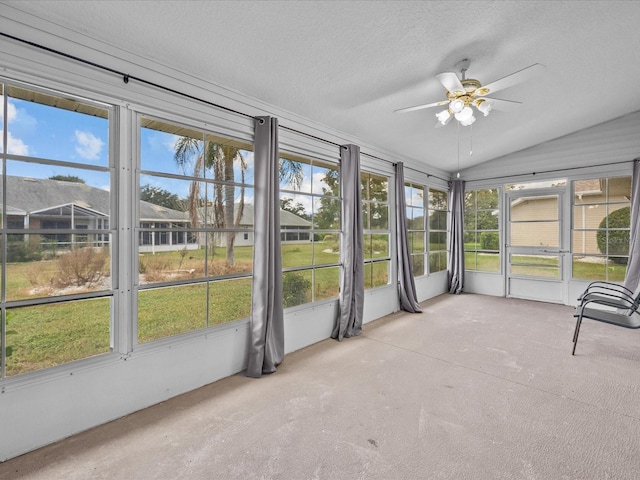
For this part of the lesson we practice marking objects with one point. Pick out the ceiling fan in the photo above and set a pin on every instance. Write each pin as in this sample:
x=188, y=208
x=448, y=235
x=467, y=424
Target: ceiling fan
x=466, y=92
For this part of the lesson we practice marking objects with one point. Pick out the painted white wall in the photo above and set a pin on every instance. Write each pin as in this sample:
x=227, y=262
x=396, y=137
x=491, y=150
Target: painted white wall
x=430, y=286
x=484, y=283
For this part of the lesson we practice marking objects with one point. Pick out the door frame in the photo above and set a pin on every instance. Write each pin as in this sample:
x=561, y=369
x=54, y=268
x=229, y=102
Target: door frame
x=548, y=289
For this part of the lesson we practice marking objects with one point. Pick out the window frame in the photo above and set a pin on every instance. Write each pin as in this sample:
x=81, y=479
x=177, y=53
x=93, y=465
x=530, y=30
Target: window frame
x=366, y=204
x=607, y=204
x=478, y=231
x=412, y=233
x=209, y=280
x=59, y=98
x=312, y=270
x=446, y=231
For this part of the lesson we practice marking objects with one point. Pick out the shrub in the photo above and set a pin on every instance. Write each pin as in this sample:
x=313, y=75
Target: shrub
x=618, y=240
x=379, y=246
x=295, y=290
x=20, y=251
x=81, y=266
x=489, y=241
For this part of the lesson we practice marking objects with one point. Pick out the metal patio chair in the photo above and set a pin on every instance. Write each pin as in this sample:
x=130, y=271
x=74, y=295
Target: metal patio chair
x=608, y=303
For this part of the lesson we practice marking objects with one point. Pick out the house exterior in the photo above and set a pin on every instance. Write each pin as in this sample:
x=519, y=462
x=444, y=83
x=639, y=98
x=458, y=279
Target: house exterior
x=44, y=204
x=594, y=199
x=293, y=228
x=71, y=207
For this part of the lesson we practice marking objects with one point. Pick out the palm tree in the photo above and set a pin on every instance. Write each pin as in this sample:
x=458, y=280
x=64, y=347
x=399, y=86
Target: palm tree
x=219, y=159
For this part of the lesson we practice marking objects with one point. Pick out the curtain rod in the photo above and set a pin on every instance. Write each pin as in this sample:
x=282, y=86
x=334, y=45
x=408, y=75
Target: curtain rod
x=127, y=77
x=552, y=171
x=425, y=173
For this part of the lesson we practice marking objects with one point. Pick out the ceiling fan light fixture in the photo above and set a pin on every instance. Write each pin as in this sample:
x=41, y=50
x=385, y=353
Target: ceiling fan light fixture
x=464, y=115
x=484, y=106
x=444, y=117
x=466, y=123
x=456, y=105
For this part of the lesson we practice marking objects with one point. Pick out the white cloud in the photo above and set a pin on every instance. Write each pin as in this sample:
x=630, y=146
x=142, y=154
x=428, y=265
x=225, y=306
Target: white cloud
x=11, y=111
x=15, y=146
x=88, y=145
x=169, y=142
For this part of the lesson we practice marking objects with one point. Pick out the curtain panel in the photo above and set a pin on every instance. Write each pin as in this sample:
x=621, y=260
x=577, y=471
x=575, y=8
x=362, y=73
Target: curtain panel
x=456, y=239
x=406, y=283
x=266, y=347
x=632, y=275
x=351, y=304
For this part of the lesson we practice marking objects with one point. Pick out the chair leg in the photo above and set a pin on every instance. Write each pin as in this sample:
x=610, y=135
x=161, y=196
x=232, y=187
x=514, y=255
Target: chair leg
x=575, y=334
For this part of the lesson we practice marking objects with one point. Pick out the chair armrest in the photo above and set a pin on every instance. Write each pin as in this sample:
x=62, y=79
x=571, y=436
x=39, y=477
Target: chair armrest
x=603, y=287
x=618, y=301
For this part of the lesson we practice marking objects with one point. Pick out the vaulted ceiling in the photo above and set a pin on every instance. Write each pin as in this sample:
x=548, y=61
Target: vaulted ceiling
x=349, y=64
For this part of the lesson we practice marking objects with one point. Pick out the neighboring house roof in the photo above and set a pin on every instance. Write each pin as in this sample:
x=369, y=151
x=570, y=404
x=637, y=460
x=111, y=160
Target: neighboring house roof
x=588, y=187
x=32, y=195
x=287, y=219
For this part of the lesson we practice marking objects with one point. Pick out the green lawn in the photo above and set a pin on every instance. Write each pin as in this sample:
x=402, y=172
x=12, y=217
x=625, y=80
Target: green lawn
x=51, y=334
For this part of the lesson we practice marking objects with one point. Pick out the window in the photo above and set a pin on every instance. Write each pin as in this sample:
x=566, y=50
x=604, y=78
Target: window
x=375, y=214
x=196, y=204
x=57, y=289
x=310, y=209
x=438, y=204
x=482, y=230
x=416, y=226
x=600, y=228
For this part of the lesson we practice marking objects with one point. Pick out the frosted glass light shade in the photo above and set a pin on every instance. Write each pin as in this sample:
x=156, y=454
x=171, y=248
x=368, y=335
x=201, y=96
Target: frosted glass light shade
x=456, y=105
x=465, y=114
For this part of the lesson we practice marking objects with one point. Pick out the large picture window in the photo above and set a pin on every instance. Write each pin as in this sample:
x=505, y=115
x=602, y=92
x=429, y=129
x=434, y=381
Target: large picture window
x=56, y=211
x=601, y=213
x=310, y=208
x=375, y=208
x=195, y=234
x=416, y=226
x=438, y=210
x=482, y=230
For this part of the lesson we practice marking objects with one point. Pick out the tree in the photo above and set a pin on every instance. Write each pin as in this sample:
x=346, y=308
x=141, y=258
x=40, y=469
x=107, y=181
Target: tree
x=291, y=173
x=613, y=235
x=298, y=209
x=328, y=216
x=67, y=178
x=201, y=157
x=196, y=157
x=159, y=196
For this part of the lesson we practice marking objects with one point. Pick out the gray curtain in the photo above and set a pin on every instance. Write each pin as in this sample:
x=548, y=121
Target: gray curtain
x=456, y=238
x=632, y=276
x=266, y=348
x=406, y=283
x=349, y=322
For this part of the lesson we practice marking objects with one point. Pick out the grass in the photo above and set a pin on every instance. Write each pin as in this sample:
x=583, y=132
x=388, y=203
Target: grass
x=42, y=336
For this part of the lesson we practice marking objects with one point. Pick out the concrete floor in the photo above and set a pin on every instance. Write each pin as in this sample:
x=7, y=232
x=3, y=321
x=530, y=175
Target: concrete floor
x=475, y=387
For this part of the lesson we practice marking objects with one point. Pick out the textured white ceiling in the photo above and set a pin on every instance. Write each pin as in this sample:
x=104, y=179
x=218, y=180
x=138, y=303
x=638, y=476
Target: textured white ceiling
x=349, y=64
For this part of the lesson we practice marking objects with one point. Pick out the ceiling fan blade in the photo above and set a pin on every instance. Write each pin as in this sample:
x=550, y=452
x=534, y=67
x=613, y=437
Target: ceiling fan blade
x=504, y=105
x=420, y=107
x=506, y=82
x=451, y=83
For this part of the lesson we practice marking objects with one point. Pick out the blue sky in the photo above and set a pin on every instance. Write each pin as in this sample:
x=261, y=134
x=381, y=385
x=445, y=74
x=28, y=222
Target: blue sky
x=37, y=130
